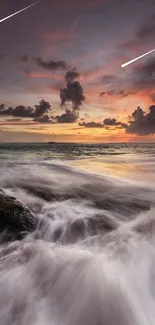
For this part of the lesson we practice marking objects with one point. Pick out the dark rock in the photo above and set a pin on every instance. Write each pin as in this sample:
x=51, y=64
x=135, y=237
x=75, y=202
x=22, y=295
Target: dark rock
x=16, y=220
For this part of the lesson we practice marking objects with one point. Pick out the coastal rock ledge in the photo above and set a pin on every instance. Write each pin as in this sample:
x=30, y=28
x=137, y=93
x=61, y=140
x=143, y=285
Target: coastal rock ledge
x=16, y=220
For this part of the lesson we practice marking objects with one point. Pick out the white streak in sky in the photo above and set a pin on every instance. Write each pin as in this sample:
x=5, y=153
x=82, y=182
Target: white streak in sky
x=33, y=4
x=139, y=57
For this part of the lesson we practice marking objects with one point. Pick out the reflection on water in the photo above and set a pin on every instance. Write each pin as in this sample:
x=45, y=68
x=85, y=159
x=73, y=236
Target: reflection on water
x=128, y=167
x=132, y=162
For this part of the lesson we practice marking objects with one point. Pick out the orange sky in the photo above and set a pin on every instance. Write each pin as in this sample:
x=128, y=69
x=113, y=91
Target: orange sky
x=96, y=37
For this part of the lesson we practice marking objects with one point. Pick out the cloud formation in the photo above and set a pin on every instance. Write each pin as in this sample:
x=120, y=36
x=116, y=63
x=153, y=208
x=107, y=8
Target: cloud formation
x=42, y=108
x=92, y=125
x=114, y=86
x=144, y=75
x=71, y=75
x=147, y=30
x=70, y=116
x=73, y=92
x=121, y=93
x=114, y=122
x=44, y=119
x=108, y=122
x=144, y=33
x=72, y=95
x=51, y=65
x=18, y=111
x=142, y=123
x=108, y=79
x=26, y=112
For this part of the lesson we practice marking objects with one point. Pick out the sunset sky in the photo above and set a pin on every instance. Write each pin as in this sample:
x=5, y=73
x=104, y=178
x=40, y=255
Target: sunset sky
x=40, y=45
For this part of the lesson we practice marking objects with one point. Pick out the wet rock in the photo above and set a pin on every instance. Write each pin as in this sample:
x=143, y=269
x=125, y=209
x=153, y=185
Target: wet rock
x=16, y=220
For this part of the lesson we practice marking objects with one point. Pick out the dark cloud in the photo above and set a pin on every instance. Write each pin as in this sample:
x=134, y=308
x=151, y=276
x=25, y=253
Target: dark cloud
x=47, y=65
x=114, y=92
x=113, y=122
x=73, y=93
x=109, y=82
x=102, y=93
x=142, y=123
x=147, y=30
x=114, y=86
x=70, y=116
x=26, y=112
x=92, y=125
x=44, y=119
x=2, y=107
x=108, y=79
x=144, y=75
x=20, y=111
x=71, y=75
x=42, y=108
x=145, y=33
x=107, y=123
x=110, y=121
x=51, y=65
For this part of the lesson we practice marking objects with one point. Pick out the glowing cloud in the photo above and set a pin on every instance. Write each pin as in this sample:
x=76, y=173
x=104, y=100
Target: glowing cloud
x=139, y=57
x=16, y=13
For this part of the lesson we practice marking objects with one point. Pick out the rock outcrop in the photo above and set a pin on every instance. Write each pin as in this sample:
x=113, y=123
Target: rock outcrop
x=16, y=220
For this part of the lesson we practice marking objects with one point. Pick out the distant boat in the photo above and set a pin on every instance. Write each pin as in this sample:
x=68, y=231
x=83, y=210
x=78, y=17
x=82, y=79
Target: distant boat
x=52, y=142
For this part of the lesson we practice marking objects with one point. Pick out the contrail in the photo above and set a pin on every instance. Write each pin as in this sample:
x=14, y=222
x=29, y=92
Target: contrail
x=16, y=13
x=139, y=57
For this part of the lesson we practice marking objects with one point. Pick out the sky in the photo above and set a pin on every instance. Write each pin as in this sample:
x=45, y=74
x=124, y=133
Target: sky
x=60, y=71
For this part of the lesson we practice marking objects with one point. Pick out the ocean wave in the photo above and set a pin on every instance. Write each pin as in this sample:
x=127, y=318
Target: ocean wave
x=90, y=260
x=109, y=282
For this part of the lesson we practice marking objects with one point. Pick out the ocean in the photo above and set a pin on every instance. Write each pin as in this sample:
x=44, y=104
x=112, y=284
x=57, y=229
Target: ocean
x=91, y=261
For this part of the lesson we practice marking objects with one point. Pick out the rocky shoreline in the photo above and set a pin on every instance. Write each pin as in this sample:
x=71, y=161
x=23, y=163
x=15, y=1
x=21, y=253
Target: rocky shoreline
x=17, y=221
